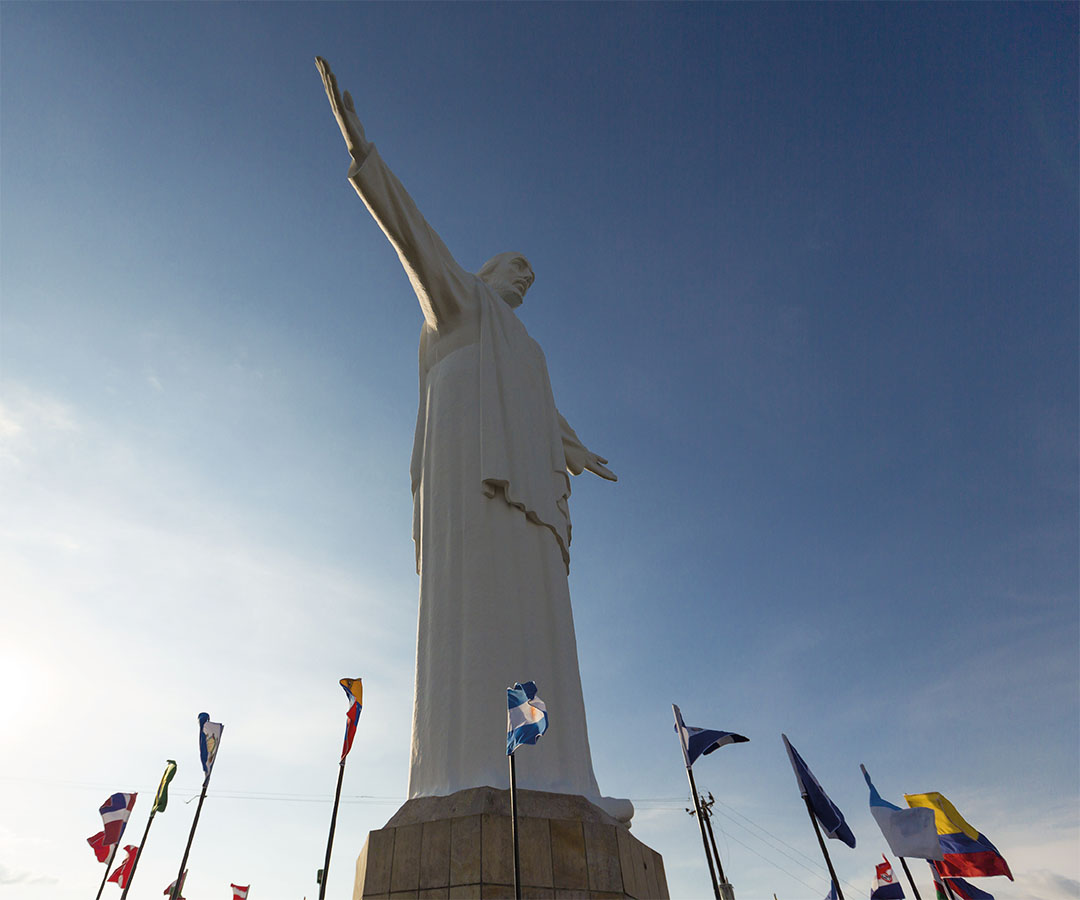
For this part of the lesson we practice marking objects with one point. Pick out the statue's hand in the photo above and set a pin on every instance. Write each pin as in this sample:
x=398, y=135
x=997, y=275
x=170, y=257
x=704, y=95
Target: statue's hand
x=345, y=113
x=579, y=458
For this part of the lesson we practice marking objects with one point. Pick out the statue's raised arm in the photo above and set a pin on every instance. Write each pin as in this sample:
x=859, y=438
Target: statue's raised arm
x=441, y=285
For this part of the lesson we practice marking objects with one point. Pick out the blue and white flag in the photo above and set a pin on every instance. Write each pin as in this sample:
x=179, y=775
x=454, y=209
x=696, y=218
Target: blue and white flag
x=828, y=813
x=832, y=891
x=908, y=832
x=526, y=716
x=209, y=738
x=697, y=742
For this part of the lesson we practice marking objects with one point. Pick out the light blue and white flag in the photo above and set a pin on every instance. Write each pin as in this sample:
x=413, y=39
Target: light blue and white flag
x=526, y=716
x=908, y=832
x=697, y=742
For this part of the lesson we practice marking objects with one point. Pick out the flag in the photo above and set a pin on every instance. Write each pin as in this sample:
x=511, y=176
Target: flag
x=123, y=871
x=965, y=890
x=161, y=798
x=114, y=813
x=827, y=813
x=172, y=887
x=526, y=716
x=354, y=690
x=939, y=885
x=240, y=893
x=697, y=742
x=832, y=891
x=966, y=851
x=101, y=849
x=886, y=887
x=209, y=738
x=908, y=832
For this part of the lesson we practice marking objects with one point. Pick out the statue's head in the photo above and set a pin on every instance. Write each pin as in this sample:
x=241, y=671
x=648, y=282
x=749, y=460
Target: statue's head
x=509, y=275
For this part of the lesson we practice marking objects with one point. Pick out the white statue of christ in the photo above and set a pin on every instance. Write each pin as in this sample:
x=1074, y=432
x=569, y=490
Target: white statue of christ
x=490, y=517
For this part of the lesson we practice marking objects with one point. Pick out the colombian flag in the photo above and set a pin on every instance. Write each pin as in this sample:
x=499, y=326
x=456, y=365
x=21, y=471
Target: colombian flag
x=354, y=690
x=967, y=852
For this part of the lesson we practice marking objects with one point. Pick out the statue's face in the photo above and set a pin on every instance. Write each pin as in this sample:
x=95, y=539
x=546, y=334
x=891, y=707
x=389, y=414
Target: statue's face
x=509, y=275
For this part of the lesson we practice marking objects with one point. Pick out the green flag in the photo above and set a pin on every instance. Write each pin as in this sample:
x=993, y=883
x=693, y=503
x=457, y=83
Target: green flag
x=161, y=799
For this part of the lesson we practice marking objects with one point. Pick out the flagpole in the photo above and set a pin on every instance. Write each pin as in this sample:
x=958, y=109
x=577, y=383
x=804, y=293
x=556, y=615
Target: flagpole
x=138, y=853
x=514, y=828
x=191, y=837
x=907, y=872
x=707, y=807
x=108, y=865
x=824, y=851
x=333, y=823
x=701, y=825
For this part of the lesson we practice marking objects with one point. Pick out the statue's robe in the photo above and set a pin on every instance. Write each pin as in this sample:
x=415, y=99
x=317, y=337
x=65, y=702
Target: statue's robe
x=490, y=522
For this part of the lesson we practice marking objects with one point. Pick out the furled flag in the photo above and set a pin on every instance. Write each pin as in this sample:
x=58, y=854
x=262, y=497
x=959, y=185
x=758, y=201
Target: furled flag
x=209, y=739
x=101, y=849
x=161, y=798
x=114, y=813
x=886, y=887
x=240, y=893
x=123, y=871
x=965, y=890
x=909, y=832
x=697, y=742
x=966, y=851
x=526, y=716
x=828, y=813
x=354, y=690
x=172, y=886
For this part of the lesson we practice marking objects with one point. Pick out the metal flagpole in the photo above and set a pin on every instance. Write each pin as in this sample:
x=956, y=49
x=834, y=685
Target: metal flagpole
x=907, y=872
x=191, y=837
x=514, y=828
x=704, y=839
x=138, y=852
x=108, y=865
x=824, y=852
x=333, y=822
x=707, y=808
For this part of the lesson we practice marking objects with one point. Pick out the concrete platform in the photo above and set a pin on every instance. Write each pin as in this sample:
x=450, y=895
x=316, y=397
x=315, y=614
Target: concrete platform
x=460, y=846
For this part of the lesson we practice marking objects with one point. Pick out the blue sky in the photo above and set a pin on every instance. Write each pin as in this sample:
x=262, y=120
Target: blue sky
x=807, y=275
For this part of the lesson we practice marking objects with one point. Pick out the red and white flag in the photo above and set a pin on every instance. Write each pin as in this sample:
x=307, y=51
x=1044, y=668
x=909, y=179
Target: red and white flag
x=123, y=871
x=101, y=849
x=238, y=892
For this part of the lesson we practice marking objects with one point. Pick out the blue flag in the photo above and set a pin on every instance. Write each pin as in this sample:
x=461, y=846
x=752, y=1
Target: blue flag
x=827, y=813
x=209, y=738
x=697, y=742
x=526, y=716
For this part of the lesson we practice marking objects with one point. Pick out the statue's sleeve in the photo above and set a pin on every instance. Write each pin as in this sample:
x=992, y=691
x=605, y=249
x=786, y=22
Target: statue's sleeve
x=441, y=285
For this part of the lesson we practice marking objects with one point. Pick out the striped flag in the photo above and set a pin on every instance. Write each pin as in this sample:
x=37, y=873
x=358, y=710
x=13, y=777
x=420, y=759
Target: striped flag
x=966, y=851
x=526, y=716
x=886, y=887
x=354, y=690
x=697, y=742
x=238, y=892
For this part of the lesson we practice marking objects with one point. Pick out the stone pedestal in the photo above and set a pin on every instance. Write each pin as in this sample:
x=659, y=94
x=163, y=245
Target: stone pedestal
x=460, y=847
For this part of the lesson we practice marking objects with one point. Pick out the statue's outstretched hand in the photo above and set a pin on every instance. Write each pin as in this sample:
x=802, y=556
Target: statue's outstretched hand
x=345, y=113
x=579, y=458
x=596, y=465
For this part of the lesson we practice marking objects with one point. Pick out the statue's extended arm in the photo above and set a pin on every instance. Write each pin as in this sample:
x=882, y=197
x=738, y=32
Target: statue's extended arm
x=439, y=282
x=578, y=456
